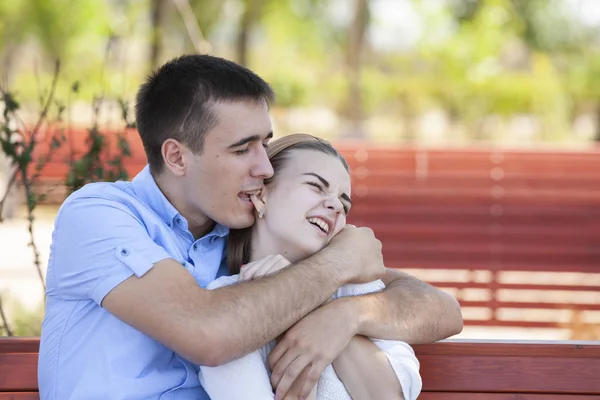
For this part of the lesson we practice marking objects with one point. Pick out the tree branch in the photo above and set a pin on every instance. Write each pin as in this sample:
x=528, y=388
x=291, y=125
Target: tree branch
x=201, y=45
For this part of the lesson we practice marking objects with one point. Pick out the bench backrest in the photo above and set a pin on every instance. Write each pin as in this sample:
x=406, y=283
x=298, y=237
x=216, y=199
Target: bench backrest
x=514, y=235
x=454, y=369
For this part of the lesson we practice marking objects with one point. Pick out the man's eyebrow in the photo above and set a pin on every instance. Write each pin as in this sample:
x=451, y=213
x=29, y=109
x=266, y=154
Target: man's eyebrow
x=252, y=138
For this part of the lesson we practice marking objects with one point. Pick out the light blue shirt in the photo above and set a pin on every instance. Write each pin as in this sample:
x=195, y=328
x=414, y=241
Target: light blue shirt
x=103, y=234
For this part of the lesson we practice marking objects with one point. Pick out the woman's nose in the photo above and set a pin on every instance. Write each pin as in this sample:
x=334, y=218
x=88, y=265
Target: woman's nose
x=334, y=204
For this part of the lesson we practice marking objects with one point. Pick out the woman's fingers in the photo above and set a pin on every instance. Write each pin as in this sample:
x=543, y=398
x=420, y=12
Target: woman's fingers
x=265, y=266
x=277, y=263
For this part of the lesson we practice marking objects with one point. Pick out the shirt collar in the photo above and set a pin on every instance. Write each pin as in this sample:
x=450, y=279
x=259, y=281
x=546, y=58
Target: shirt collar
x=147, y=190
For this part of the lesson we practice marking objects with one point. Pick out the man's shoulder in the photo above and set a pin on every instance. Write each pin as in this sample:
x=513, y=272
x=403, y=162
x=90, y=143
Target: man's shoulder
x=117, y=191
x=101, y=200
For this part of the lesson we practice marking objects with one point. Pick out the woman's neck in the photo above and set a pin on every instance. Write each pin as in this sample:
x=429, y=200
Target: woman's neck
x=264, y=244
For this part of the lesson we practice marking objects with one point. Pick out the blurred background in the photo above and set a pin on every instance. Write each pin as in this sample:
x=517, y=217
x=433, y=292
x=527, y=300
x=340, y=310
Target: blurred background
x=471, y=127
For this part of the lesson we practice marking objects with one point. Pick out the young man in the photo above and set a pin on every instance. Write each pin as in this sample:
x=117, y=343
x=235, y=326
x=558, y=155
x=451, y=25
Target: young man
x=127, y=315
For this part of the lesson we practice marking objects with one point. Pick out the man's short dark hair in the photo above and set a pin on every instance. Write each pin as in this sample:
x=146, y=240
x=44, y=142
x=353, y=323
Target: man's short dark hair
x=175, y=102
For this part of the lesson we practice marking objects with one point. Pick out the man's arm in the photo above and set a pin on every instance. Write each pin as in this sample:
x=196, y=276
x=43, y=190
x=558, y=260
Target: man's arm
x=211, y=327
x=407, y=310
x=216, y=326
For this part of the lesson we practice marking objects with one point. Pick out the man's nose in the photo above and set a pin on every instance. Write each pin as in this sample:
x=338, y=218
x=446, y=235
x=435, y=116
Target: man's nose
x=263, y=168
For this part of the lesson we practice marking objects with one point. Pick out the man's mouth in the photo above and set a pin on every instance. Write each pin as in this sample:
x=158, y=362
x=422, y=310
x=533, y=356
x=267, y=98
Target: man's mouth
x=255, y=199
x=320, y=223
x=247, y=194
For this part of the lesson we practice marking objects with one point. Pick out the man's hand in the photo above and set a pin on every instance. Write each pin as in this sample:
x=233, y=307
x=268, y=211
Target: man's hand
x=358, y=255
x=263, y=267
x=308, y=347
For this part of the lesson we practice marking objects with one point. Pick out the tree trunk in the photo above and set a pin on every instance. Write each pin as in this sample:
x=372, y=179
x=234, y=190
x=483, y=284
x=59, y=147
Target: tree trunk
x=251, y=14
x=159, y=11
x=597, y=136
x=356, y=39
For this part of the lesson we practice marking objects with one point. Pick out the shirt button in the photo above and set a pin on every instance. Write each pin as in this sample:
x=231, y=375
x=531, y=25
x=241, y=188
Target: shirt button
x=195, y=247
x=124, y=252
x=178, y=220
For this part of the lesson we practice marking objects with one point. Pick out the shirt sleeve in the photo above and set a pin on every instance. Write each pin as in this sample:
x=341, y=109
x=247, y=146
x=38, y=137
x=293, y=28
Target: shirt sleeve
x=97, y=244
x=357, y=289
x=224, y=280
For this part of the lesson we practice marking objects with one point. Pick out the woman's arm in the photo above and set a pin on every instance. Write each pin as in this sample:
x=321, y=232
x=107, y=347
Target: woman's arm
x=366, y=372
x=246, y=378
x=383, y=369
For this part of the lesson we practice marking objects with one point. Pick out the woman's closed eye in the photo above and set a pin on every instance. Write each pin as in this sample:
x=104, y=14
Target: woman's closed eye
x=317, y=185
x=320, y=187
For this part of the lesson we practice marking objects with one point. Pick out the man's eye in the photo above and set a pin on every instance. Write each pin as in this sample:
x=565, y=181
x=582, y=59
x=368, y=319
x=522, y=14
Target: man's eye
x=240, y=152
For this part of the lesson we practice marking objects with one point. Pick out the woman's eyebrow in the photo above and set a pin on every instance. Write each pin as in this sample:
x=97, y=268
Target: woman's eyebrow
x=323, y=180
x=326, y=184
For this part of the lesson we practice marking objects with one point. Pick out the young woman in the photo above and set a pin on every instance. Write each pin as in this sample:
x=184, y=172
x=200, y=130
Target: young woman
x=303, y=206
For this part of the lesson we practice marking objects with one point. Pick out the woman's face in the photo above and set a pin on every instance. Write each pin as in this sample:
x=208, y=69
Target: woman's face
x=307, y=203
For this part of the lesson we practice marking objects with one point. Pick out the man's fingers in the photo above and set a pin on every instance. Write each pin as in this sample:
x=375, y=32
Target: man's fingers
x=281, y=366
x=296, y=389
x=292, y=372
x=275, y=355
x=310, y=380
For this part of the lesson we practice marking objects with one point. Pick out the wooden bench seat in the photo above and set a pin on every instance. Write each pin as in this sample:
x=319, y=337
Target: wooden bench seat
x=453, y=369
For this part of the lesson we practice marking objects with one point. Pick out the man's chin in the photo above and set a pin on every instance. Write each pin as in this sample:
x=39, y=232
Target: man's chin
x=240, y=221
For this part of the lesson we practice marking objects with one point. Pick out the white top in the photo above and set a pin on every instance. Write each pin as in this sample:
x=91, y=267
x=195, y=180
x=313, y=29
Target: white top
x=248, y=378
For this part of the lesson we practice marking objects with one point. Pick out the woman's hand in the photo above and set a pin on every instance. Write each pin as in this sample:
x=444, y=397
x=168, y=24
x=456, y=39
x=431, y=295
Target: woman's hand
x=308, y=347
x=263, y=267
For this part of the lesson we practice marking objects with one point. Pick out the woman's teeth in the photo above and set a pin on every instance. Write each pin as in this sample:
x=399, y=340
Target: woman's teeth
x=320, y=223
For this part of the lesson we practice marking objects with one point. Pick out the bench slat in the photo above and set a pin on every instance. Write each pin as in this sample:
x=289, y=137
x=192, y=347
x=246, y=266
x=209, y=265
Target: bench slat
x=19, y=345
x=502, y=396
x=511, y=367
x=20, y=396
x=18, y=371
x=511, y=374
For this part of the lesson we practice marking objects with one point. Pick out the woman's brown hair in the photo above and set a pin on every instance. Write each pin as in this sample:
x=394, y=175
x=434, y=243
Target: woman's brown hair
x=240, y=240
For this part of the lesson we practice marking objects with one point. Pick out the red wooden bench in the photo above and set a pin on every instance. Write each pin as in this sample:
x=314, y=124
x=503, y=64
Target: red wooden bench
x=520, y=230
x=514, y=235
x=451, y=370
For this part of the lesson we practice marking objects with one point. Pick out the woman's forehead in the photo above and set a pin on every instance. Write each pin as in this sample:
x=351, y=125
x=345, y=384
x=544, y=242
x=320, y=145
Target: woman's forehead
x=326, y=165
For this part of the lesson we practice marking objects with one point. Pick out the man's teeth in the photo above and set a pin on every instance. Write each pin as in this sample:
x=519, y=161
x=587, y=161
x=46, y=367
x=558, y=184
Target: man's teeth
x=320, y=223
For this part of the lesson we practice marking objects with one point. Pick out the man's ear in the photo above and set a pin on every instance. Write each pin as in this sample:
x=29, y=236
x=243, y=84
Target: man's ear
x=173, y=153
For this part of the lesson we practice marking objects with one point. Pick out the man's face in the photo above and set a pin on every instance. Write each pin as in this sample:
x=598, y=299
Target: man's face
x=233, y=162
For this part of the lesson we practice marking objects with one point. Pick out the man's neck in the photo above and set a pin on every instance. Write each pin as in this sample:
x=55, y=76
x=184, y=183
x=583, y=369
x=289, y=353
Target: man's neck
x=197, y=225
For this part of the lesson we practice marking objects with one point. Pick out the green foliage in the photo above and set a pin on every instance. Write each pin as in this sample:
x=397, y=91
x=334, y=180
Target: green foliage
x=66, y=27
x=19, y=144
